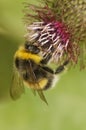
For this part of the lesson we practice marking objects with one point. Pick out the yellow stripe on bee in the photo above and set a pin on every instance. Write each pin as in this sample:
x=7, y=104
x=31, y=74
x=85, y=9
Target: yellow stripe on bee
x=40, y=85
x=22, y=54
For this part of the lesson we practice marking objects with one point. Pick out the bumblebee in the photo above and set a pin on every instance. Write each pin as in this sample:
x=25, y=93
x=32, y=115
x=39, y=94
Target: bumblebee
x=31, y=69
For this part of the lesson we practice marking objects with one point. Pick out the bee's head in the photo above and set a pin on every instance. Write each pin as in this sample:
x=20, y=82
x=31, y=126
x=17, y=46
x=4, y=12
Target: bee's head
x=31, y=48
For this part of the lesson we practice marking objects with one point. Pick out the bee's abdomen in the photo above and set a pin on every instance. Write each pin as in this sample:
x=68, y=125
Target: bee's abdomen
x=49, y=84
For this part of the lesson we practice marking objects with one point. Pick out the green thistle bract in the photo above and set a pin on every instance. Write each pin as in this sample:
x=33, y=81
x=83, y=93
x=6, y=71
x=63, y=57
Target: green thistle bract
x=58, y=27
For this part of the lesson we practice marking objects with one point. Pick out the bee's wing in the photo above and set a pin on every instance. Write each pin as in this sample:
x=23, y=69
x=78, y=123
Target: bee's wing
x=41, y=95
x=36, y=84
x=17, y=87
x=31, y=73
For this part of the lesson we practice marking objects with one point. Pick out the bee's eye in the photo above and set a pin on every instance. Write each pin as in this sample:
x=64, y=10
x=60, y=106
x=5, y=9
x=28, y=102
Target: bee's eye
x=32, y=48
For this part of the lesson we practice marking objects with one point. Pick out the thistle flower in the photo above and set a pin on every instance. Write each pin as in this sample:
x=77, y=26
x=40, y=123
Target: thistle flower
x=58, y=27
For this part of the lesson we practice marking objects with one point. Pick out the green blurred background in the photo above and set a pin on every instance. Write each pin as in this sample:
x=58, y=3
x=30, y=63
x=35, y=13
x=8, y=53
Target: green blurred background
x=67, y=101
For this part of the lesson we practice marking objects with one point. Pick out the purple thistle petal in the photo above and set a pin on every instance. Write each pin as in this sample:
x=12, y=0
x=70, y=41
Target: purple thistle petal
x=61, y=25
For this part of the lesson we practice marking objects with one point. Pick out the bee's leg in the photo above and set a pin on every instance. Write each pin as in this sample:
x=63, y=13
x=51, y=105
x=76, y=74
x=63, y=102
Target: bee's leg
x=48, y=69
x=46, y=60
x=61, y=68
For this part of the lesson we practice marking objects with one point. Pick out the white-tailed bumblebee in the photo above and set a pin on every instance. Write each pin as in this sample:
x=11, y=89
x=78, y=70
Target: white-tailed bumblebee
x=31, y=69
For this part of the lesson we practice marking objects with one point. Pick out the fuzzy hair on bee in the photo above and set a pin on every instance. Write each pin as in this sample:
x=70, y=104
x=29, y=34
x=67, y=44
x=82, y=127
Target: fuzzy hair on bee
x=31, y=70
